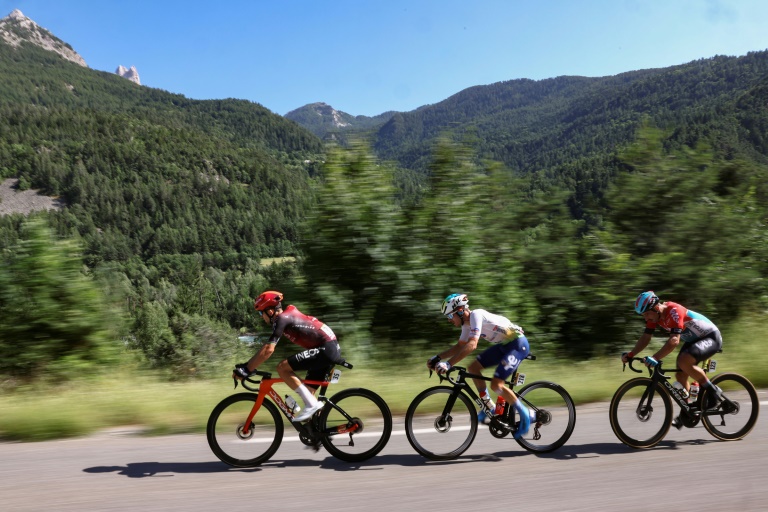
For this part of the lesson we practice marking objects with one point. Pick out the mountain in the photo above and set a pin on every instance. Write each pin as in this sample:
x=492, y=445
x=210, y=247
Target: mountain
x=16, y=29
x=542, y=125
x=328, y=123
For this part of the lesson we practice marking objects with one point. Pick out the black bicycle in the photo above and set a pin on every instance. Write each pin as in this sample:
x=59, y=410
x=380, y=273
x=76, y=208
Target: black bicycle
x=246, y=429
x=441, y=422
x=641, y=409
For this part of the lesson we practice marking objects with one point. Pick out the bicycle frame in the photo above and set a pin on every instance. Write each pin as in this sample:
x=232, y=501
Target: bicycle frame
x=460, y=385
x=657, y=374
x=266, y=389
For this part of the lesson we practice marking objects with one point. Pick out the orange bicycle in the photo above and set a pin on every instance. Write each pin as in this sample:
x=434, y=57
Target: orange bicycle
x=246, y=429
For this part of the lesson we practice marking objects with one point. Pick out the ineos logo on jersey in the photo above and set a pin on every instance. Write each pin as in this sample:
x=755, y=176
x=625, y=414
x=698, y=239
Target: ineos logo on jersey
x=307, y=354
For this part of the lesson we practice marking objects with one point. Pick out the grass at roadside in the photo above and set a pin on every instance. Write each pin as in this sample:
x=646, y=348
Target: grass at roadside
x=158, y=407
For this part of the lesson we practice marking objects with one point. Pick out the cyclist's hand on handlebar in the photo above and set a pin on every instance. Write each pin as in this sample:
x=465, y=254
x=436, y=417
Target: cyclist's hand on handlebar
x=650, y=362
x=432, y=361
x=241, y=371
x=626, y=356
x=442, y=367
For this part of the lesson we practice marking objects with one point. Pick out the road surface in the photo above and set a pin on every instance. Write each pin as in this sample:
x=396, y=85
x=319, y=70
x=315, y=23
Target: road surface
x=120, y=471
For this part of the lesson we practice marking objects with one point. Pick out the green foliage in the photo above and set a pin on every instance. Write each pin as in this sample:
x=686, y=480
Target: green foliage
x=535, y=198
x=54, y=319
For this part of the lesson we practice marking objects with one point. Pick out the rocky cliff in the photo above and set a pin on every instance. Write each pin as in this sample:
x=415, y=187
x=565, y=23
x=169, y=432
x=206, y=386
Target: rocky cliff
x=17, y=28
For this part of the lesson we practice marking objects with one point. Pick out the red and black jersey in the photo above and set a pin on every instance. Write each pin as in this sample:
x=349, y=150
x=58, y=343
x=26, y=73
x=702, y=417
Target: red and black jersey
x=677, y=319
x=303, y=330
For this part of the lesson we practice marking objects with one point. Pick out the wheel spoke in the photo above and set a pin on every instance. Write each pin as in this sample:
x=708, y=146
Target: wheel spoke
x=637, y=420
x=435, y=434
x=237, y=445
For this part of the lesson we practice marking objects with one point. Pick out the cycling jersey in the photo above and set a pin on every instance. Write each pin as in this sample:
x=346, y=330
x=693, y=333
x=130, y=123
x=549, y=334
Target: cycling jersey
x=690, y=325
x=303, y=330
x=490, y=327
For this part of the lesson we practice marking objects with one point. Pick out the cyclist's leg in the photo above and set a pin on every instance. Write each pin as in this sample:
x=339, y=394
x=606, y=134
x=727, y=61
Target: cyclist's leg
x=489, y=357
x=317, y=362
x=697, y=351
x=514, y=353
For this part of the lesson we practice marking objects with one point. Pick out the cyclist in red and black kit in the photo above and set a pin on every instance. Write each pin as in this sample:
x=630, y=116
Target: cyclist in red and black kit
x=700, y=336
x=321, y=349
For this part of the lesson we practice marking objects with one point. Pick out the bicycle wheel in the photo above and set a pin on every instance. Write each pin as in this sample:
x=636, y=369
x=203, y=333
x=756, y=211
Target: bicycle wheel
x=735, y=417
x=637, y=420
x=555, y=416
x=441, y=424
x=225, y=431
x=363, y=410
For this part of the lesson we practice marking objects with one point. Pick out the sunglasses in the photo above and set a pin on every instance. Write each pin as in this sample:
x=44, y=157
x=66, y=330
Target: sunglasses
x=459, y=312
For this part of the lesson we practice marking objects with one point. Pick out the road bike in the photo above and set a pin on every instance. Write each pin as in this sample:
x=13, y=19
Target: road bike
x=441, y=422
x=246, y=429
x=641, y=409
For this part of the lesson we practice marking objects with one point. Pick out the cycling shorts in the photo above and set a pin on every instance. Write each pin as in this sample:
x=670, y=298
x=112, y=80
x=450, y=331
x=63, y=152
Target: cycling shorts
x=704, y=348
x=506, y=356
x=316, y=361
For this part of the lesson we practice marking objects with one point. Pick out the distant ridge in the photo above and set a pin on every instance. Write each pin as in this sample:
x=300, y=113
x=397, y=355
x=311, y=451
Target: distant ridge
x=325, y=121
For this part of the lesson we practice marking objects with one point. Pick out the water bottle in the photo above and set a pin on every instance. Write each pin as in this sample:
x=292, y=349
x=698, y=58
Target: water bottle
x=291, y=403
x=499, y=405
x=694, y=390
x=681, y=390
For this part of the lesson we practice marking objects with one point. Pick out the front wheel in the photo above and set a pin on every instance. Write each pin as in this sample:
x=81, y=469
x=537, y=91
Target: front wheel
x=736, y=415
x=555, y=416
x=358, y=423
x=441, y=423
x=244, y=447
x=641, y=413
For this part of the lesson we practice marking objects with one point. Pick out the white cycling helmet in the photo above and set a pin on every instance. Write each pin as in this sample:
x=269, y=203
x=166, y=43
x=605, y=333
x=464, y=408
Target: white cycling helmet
x=453, y=302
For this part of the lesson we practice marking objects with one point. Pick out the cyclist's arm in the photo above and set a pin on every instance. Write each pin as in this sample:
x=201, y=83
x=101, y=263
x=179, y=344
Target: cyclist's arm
x=461, y=350
x=262, y=355
x=668, y=347
x=643, y=342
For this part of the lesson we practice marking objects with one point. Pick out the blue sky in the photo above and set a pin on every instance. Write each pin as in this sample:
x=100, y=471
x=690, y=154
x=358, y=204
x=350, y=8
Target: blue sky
x=365, y=57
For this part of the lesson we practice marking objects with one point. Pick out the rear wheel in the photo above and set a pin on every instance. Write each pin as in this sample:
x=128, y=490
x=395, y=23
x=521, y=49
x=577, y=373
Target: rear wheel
x=441, y=424
x=363, y=422
x=736, y=415
x=640, y=413
x=555, y=416
x=237, y=445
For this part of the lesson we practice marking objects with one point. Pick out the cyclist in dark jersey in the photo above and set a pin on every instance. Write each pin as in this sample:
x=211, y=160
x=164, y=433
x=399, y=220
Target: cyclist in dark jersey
x=701, y=339
x=321, y=349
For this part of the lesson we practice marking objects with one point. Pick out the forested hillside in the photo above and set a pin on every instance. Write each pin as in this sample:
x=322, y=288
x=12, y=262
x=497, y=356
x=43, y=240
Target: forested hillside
x=175, y=192
x=553, y=202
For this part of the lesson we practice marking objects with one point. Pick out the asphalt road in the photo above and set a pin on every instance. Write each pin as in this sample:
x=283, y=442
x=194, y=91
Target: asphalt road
x=119, y=471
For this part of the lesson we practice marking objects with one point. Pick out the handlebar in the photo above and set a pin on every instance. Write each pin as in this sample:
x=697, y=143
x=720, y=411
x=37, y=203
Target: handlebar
x=657, y=368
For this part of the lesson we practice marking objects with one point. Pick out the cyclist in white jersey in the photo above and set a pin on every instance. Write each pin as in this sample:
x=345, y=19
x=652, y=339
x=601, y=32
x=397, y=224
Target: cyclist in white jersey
x=509, y=348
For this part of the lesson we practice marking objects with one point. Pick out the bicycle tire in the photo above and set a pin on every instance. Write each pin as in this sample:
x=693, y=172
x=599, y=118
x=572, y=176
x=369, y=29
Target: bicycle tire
x=430, y=433
x=224, y=431
x=371, y=414
x=738, y=414
x=633, y=419
x=556, y=415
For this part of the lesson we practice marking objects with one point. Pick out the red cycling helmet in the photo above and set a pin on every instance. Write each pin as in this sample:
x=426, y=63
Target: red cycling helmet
x=268, y=299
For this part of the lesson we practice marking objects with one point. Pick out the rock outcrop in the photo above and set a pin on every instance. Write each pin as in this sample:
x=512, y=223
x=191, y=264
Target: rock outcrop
x=129, y=74
x=17, y=28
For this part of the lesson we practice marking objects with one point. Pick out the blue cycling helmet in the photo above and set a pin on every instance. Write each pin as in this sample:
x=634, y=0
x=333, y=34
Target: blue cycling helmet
x=645, y=301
